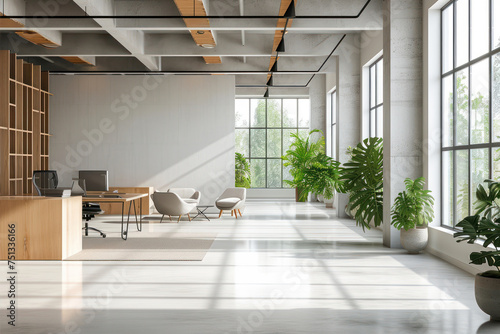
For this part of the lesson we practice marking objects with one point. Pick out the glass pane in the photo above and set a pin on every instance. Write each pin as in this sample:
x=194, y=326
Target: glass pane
x=287, y=176
x=258, y=112
x=274, y=143
x=462, y=94
x=448, y=111
x=273, y=113
x=303, y=133
x=447, y=28
x=258, y=172
x=242, y=144
x=274, y=173
x=380, y=81
x=287, y=140
x=289, y=113
x=480, y=102
x=242, y=108
x=479, y=38
x=373, y=101
x=496, y=163
x=334, y=107
x=334, y=142
x=496, y=23
x=304, y=112
x=380, y=122
x=462, y=184
x=462, y=31
x=496, y=96
x=480, y=170
x=258, y=143
x=448, y=188
x=373, y=130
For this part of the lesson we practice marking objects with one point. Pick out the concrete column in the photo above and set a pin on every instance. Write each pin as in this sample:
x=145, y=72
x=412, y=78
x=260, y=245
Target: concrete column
x=348, y=103
x=317, y=97
x=403, y=71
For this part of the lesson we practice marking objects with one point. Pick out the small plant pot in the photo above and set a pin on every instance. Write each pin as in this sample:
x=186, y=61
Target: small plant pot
x=414, y=240
x=298, y=191
x=487, y=291
x=329, y=202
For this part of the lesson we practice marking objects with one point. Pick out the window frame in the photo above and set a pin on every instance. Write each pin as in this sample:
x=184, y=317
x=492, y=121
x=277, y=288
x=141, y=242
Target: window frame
x=374, y=105
x=297, y=128
x=469, y=147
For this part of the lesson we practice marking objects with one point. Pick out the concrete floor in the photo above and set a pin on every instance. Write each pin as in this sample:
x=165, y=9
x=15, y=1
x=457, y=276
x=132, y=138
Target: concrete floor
x=284, y=268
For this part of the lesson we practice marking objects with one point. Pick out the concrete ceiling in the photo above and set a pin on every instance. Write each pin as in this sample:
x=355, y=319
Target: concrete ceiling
x=135, y=43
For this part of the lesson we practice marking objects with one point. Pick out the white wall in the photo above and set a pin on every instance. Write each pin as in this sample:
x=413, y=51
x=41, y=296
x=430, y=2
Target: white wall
x=160, y=131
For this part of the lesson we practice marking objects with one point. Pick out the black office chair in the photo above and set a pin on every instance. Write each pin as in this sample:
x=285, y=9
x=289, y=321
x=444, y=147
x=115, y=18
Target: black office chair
x=89, y=210
x=45, y=179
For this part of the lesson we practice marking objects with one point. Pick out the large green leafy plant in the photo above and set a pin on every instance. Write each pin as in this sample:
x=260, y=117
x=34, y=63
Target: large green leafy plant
x=363, y=180
x=323, y=176
x=300, y=157
x=241, y=171
x=485, y=224
x=413, y=207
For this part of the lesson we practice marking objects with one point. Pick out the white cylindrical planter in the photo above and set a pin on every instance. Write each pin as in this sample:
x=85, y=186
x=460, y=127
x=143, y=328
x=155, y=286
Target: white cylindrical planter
x=488, y=295
x=414, y=240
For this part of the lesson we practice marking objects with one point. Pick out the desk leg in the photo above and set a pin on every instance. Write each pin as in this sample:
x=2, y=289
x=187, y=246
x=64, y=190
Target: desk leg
x=136, y=221
x=140, y=213
x=125, y=233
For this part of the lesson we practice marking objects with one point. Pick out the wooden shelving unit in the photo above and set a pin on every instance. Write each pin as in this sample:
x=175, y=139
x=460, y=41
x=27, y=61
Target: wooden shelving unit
x=24, y=123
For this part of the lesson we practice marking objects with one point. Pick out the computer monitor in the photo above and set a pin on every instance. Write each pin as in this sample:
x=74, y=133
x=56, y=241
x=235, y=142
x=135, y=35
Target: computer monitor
x=95, y=180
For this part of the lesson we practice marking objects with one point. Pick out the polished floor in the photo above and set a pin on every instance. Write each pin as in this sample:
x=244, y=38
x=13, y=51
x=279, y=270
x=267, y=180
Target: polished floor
x=284, y=268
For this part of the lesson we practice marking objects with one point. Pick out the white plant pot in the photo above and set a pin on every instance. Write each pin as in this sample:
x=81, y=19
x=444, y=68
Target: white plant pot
x=329, y=202
x=487, y=291
x=321, y=198
x=414, y=240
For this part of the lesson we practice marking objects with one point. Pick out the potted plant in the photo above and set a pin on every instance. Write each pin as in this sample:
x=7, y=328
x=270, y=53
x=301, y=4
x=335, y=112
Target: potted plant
x=323, y=177
x=485, y=225
x=411, y=212
x=363, y=181
x=299, y=157
x=241, y=171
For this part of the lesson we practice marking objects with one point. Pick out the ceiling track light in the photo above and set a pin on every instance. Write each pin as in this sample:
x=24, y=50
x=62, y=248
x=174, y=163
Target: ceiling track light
x=281, y=46
x=274, y=68
x=270, y=82
x=290, y=11
x=266, y=94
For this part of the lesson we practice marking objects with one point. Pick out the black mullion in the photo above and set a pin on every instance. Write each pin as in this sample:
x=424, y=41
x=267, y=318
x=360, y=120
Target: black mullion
x=454, y=162
x=281, y=163
x=470, y=147
x=490, y=111
x=265, y=154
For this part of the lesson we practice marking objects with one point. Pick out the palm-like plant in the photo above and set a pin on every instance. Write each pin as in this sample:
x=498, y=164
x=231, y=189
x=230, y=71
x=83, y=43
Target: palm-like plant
x=363, y=179
x=241, y=171
x=413, y=207
x=324, y=176
x=300, y=156
x=485, y=224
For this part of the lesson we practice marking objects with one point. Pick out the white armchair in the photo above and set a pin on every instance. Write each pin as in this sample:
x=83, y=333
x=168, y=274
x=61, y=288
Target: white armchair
x=232, y=199
x=188, y=195
x=169, y=203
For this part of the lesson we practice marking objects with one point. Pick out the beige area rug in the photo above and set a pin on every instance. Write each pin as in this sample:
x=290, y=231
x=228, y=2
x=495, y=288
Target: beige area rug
x=152, y=247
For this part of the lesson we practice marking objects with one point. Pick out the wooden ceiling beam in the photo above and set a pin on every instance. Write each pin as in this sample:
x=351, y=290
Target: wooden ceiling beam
x=203, y=38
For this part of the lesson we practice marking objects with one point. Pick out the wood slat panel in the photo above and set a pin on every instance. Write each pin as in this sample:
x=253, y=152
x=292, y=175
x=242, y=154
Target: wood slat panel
x=200, y=37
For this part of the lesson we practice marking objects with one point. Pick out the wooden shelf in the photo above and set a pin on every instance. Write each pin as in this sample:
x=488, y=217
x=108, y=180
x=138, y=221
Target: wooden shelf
x=24, y=107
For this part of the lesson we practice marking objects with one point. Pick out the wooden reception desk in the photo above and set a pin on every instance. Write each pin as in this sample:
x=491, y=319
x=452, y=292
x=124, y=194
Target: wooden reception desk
x=46, y=228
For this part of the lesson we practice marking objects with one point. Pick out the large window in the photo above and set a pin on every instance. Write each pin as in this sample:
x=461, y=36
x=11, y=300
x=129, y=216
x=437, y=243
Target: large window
x=470, y=110
x=333, y=110
x=377, y=99
x=263, y=128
